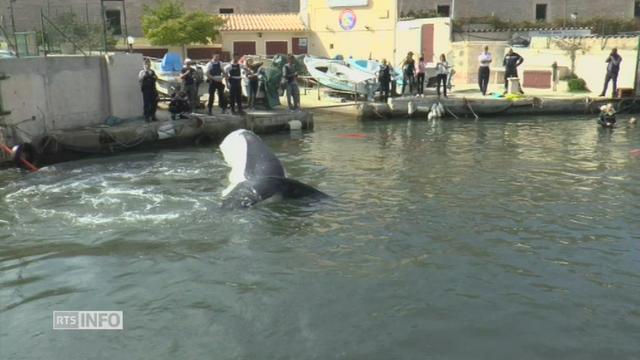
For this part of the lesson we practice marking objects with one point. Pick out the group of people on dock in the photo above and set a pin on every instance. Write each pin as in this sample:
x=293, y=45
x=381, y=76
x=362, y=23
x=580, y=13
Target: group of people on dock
x=225, y=81
x=413, y=76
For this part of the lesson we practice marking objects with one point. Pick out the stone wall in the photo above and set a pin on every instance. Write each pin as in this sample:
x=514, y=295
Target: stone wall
x=27, y=12
x=63, y=92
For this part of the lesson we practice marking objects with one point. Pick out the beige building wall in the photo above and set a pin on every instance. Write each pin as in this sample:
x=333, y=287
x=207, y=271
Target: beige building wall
x=409, y=38
x=543, y=52
x=372, y=37
x=525, y=10
x=590, y=63
x=229, y=37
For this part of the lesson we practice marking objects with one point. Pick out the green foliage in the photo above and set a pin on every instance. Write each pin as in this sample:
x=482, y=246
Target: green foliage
x=167, y=24
x=577, y=85
x=85, y=35
x=599, y=25
x=570, y=76
x=420, y=14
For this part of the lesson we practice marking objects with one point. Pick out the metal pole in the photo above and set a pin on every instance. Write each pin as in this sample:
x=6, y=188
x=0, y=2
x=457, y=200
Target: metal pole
x=635, y=84
x=13, y=28
x=124, y=15
x=104, y=26
x=64, y=35
x=44, y=38
x=89, y=30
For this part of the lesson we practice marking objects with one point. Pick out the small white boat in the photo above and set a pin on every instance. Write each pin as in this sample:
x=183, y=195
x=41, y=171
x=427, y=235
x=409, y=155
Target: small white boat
x=336, y=75
x=168, y=70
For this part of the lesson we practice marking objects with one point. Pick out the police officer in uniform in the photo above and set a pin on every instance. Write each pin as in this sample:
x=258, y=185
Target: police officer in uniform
x=215, y=77
x=234, y=78
x=147, y=79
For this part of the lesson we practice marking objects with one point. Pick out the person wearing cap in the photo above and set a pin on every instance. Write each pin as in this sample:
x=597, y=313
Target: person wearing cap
x=147, y=78
x=189, y=86
x=233, y=73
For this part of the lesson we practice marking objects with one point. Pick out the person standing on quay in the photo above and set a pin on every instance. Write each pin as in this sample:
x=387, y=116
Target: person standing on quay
x=442, y=71
x=214, y=77
x=613, y=68
x=511, y=62
x=422, y=69
x=408, y=72
x=147, y=79
x=384, y=78
x=484, y=72
x=234, y=77
x=188, y=76
x=290, y=77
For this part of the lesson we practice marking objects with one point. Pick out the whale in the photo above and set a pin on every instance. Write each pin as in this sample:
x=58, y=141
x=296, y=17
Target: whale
x=257, y=174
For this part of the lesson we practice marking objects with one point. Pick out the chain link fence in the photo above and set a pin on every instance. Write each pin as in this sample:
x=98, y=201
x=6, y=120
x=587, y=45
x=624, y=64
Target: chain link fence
x=62, y=29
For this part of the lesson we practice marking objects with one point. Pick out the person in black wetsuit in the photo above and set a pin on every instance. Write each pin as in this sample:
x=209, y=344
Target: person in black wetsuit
x=384, y=78
x=216, y=84
x=511, y=62
x=148, y=78
x=179, y=105
x=234, y=77
x=613, y=68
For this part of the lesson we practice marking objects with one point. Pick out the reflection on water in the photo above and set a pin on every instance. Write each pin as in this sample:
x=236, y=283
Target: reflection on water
x=442, y=240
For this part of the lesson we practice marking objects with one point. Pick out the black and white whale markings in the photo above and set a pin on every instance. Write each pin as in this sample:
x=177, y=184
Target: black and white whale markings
x=256, y=173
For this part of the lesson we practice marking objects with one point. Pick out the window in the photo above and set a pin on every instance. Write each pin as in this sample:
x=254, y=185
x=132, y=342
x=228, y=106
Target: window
x=541, y=12
x=113, y=21
x=444, y=10
x=636, y=9
x=226, y=10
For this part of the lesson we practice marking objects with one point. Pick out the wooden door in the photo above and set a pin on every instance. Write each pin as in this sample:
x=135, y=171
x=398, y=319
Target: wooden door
x=277, y=47
x=242, y=48
x=428, y=42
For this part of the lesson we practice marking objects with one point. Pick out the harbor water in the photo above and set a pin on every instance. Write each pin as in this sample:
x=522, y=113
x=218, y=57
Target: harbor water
x=509, y=238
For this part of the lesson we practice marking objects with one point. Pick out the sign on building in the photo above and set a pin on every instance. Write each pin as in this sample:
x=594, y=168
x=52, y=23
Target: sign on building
x=347, y=3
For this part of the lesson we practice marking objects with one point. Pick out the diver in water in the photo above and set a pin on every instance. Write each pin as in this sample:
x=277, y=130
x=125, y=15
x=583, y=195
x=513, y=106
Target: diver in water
x=607, y=116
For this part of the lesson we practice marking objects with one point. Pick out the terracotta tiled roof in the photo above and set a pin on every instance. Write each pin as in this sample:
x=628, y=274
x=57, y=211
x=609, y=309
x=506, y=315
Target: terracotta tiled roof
x=262, y=22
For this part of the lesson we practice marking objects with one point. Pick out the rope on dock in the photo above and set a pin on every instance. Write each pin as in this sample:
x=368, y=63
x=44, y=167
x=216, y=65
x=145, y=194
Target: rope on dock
x=470, y=108
x=450, y=112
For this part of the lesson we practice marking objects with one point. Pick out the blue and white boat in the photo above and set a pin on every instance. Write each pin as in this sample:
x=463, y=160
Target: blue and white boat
x=336, y=75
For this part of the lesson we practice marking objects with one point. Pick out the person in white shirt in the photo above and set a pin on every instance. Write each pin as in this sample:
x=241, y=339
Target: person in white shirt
x=485, y=60
x=442, y=71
